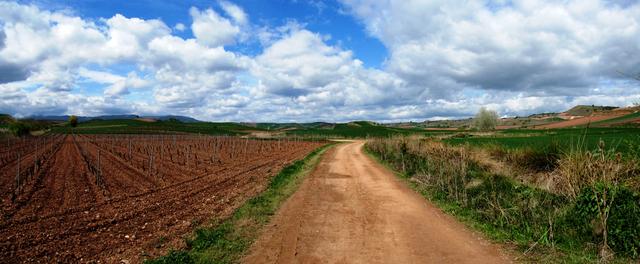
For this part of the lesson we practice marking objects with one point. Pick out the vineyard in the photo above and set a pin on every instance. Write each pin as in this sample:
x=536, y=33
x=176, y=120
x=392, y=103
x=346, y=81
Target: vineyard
x=106, y=197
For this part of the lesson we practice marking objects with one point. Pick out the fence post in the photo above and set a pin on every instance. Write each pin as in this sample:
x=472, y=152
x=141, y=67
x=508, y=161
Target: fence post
x=150, y=163
x=35, y=161
x=18, y=172
x=99, y=176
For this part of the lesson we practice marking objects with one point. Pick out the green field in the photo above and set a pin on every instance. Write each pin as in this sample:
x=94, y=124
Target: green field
x=361, y=129
x=132, y=126
x=621, y=139
x=618, y=120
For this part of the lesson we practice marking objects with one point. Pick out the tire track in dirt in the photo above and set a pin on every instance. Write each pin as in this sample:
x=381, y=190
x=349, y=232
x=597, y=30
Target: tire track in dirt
x=353, y=210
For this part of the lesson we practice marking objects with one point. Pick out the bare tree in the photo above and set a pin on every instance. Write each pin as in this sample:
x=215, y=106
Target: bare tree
x=486, y=119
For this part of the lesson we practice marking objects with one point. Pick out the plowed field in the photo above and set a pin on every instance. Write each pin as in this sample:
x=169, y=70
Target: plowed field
x=117, y=197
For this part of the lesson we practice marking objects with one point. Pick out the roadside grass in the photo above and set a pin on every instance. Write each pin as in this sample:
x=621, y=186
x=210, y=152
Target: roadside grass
x=536, y=225
x=535, y=158
x=227, y=241
x=516, y=242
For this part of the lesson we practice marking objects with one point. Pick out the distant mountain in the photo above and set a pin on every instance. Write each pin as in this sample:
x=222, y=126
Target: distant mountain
x=53, y=118
x=82, y=118
x=109, y=117
x=287, y=126
x=184, y=119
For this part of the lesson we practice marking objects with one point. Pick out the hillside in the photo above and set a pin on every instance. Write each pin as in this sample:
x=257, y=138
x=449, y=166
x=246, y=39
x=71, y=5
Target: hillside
x=139, y=126
x=587, y=110
x=5, y=119
x=63, y=118
x=355, y=129
x=290, y=126
x=578, y=116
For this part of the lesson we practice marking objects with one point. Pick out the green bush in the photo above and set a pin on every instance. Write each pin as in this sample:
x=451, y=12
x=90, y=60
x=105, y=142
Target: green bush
x=73, y=121
x=174, y=257
x=19, y=129
x=623, y=222
x=522, y=210
x=538, y=159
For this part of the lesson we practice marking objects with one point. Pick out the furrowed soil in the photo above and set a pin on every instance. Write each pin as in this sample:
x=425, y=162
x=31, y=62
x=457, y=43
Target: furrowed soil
x=583, y=120
x=353, y=210
x=142, y=199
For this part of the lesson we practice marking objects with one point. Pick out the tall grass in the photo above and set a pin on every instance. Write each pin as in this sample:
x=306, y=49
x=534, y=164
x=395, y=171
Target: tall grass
x=596, y=181
x=585, y=208
x=542, y=158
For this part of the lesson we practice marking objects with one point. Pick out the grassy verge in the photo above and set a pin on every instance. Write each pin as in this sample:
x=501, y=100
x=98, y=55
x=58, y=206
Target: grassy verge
x=506, y=212
x=228, y=241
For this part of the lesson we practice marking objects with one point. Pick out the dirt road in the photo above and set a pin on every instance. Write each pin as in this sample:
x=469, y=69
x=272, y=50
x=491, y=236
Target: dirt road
x=353, y=210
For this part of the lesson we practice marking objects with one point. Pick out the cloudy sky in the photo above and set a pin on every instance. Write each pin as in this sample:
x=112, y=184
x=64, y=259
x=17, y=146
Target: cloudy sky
x=297, y=60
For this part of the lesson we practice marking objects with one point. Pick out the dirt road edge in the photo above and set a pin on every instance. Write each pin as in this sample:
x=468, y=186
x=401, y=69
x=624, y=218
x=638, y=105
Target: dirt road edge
x=482, y=229
x=229, y=240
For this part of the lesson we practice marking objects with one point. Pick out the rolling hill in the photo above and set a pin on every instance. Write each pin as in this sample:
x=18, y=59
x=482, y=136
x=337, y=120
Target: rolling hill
x=578, y=116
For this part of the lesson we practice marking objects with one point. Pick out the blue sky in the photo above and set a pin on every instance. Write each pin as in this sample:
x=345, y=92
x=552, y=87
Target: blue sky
x=324, y=17
x=315, y=60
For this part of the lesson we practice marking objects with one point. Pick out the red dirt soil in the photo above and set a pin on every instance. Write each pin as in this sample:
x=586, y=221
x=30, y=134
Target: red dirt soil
x=442, y=128
x=583, y=120
x=138, y=203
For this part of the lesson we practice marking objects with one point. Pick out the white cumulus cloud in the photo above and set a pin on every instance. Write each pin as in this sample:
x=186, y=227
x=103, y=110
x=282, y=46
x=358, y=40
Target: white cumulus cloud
x=445, y=59
x=212, y=29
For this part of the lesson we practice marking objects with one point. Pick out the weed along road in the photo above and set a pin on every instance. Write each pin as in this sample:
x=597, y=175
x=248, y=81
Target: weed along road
x=351, y=209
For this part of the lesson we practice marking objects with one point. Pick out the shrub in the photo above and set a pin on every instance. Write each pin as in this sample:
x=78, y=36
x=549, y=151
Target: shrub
x=73, y=121
x=540, y=159
x=623, y=223
x=595, y=177
x=579, y=169
x=19, y=129
x=181, y=257
x=461, y=135
x=535, y=159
